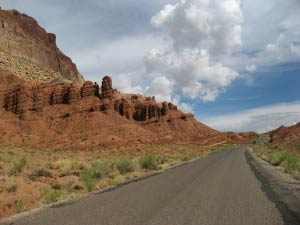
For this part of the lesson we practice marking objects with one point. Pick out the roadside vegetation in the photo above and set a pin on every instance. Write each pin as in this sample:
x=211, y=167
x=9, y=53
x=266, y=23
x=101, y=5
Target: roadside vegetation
x=33, y=177
x=287, y=161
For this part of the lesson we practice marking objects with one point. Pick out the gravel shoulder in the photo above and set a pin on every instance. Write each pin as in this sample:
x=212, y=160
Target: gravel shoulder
x=285, y=190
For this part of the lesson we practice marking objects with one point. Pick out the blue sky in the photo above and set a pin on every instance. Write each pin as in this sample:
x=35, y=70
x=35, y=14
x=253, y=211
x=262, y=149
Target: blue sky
x=235, y=64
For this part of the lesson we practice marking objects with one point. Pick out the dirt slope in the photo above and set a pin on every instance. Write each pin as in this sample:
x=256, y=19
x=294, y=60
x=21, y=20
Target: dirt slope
x=287, y=137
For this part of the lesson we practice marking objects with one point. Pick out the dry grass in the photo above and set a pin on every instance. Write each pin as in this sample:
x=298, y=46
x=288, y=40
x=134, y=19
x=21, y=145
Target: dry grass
x=31, y=177
x=286, y=160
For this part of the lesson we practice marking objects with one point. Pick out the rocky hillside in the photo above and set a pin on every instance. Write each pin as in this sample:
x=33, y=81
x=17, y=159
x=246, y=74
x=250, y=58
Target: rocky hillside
x=29, y=52
x=286, y=137
x=67, y=115
x=44, y=101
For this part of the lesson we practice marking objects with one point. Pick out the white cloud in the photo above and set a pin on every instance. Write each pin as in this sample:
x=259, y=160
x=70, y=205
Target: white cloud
x=123, y=82
x=214, y=25
x=199, y=31
x=118, y=56
x=187, y=108
x=270, y=35
x=260, y=119
x=162, y=88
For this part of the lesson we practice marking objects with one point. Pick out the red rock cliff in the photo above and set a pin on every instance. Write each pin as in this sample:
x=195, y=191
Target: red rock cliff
x=28, y=51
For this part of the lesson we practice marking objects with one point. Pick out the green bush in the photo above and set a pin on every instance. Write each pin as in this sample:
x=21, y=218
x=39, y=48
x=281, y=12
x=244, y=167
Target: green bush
x=186, y=157
x=50, y=196
x=291, y=163
x=18, y=166
x=19, y=206
x=161, y=159
x=148, y=162
x=288, y=161
x=100, y=169
x=276, y=158
x=124, y=165
x=87, y=176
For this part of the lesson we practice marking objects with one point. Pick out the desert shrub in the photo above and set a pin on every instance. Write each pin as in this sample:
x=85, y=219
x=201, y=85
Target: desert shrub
x=276, y=158
x=103, y=183
x=18, y=166
x=20, y=207
x=161, y=159
x=291, y=163
x=41, y=172
x=100, y=169
x=148, y=162
x=12, y=188
x=78, y=165
x=56, y=186
x=10, y=152
x=50, y=196
x=87, y=176
x=117, y=180
x=124, y=165
x=186, y=157
x=70, y=187
x=61, y=164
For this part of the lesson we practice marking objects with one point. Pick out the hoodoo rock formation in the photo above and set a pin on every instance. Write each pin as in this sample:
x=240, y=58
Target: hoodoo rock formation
x=106, y=88
x=22, y=98
x=62, y=114
x=28, y=51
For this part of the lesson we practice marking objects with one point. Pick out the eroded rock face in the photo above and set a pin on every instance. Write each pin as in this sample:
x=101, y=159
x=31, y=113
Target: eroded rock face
x=88, y=89
x=106, y=88
x=28, y=51
x=26, y=97
x=61, y=114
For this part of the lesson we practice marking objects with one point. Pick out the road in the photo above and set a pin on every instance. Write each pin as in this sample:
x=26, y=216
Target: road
x=219, y=189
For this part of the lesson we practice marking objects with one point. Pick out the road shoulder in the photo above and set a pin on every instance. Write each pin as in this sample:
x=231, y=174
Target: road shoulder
x=285, y=189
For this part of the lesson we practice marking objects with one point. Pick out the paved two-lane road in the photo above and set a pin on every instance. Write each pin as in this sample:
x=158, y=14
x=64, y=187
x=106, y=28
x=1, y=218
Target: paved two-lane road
x=218, y=190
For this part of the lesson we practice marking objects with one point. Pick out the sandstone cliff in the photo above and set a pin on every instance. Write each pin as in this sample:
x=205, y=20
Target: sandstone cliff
x=59, y=114
x=28, y=51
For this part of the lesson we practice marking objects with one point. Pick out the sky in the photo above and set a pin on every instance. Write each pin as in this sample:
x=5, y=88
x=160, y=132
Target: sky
x=234, y=63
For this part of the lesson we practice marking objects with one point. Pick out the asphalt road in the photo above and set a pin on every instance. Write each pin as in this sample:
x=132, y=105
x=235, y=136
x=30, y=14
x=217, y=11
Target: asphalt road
x=217, y=190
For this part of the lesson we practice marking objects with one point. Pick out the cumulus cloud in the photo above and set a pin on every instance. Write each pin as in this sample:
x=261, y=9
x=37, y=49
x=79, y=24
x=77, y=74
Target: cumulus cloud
x=260, y=119
x=192, y=71
x=270, y=36
x=162, y=88
x=124, y=83
x=215, y=24
x=199, y=31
